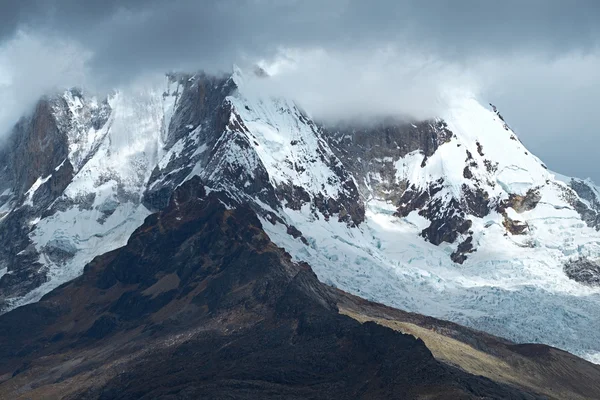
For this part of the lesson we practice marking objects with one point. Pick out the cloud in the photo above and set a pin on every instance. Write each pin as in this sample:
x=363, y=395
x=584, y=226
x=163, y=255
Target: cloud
x=552, y=103
x=32, y=66
x=129, y=35
x=536, y=59
x=381, y=82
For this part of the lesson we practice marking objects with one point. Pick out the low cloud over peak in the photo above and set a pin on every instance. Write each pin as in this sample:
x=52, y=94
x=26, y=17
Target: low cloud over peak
x=381, y=82
x=537, y=60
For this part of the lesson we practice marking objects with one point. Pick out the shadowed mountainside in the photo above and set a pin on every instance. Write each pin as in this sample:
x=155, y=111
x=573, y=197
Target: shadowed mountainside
x=201, y=304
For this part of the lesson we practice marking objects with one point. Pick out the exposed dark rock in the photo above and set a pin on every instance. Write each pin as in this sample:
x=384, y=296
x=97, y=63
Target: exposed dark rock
x=449, y=219
x=446, y=223
x=294, y=196
x=415, y=199
x=467, y=174
x=589, y=212
x=480, y=149
x=469, y=156
x=490, y=166
x=369, y=151
x=584, y=271
x=521, y=203
x=54, y=187
x=515, y=227
x=202, y=102
x=589, y=216
x=476, y=201
x=37, y=135
x=466, y=246
x=585, y=192
x=295, y=233
x=36, y=149
x=200, y=97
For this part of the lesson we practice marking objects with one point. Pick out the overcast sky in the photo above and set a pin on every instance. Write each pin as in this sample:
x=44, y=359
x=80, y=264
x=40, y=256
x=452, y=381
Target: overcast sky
x=537, y=60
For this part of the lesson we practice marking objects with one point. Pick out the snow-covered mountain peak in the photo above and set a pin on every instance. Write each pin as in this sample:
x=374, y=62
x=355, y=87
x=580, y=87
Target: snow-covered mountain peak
x=289, y=145
x=451, y=217
x=464, y=167
x=494, y=147
x=482, y=152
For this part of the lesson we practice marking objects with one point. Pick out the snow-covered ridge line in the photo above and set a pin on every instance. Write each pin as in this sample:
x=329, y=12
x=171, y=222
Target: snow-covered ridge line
x=127, y=153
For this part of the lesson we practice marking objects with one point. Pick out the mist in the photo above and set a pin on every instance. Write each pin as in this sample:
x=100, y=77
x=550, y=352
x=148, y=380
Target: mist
x=32, y=66
x=538, y=61
x=382, y=82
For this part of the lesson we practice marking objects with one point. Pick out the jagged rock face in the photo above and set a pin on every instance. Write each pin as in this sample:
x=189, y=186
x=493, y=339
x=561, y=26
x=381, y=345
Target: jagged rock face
x=373, y=155
x=520, y=204
x=370, y=152
x=584, y=271
x=58, y=160
x=584, y=198
x=38, y=135
x=256, y=148
x=200, y=303
x=419, y=168
x=35, y=157
x=193, y=127
x=481, y=200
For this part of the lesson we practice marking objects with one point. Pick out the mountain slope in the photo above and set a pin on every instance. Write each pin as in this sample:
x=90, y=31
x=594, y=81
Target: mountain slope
x=200, y=303
x=451, y=218
x=466, y=191
x=86, y=199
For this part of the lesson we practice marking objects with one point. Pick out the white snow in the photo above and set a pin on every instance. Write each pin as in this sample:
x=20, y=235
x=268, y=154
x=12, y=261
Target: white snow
x=119, y=159
x=516, y=292
x=36, y=185
x=81, y=231
x=287, y=147
x=60, y=165
x=512, y=286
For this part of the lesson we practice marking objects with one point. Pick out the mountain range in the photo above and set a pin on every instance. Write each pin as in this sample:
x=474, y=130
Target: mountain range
x=204, y=238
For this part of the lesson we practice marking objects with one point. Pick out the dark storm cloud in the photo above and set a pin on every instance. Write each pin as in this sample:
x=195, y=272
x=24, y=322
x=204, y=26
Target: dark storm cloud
x=126, y=36
x=538, y=59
